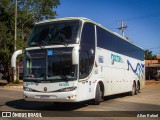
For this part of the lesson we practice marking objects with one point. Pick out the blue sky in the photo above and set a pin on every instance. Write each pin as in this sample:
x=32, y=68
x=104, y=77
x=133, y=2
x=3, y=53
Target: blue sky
x=143, y=30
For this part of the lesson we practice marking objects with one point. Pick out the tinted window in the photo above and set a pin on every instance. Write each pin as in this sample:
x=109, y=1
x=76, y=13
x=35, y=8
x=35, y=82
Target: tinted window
x=50, y=64
x=88, y=35
x=35, y=65
x=114, y=43
x=87, y=51
x=56, y=32
x=60, y=66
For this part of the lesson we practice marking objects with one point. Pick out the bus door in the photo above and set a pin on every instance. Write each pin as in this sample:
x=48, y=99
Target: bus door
x=87, y=55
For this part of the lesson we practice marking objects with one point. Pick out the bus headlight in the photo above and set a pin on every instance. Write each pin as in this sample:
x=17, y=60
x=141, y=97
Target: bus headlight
x=27, y=89
x=67, y=89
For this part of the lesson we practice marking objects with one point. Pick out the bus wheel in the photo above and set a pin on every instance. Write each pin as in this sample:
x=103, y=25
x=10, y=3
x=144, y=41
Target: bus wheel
x=137, y=88
x=133, y=89
x=98, y=95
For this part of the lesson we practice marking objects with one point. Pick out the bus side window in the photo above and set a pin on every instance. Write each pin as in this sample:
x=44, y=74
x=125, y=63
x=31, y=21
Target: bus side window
x=87, y=50
x=84, y=63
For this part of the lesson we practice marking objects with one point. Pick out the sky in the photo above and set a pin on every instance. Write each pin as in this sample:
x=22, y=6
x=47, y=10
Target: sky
x=141, y=16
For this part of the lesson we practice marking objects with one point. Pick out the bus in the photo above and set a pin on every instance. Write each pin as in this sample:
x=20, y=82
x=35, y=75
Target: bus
x=77, y=59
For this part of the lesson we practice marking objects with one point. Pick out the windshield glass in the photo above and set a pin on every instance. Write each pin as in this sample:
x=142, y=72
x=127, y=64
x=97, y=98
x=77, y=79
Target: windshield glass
x=58, y=32
x=36, y=66
x=52, y=64
x=60, y=66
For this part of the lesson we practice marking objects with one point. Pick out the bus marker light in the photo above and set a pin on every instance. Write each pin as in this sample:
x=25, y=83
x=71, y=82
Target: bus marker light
x=24, y=96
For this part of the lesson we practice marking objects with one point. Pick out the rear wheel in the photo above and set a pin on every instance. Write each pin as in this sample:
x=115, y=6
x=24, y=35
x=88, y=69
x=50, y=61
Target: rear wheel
x=98, y=95
x=137, y=88
x=133, y=92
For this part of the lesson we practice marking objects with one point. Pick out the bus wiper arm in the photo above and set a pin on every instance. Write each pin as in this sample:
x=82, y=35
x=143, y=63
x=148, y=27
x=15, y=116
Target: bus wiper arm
x=65, y=43
x=64, y=77
x=41, y=44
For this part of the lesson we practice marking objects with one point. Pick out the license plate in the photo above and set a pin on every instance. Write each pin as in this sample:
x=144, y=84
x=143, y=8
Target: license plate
x=44, y=96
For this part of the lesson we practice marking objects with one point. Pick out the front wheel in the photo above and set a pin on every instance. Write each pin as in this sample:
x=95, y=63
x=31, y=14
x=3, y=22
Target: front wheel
x=98, y=95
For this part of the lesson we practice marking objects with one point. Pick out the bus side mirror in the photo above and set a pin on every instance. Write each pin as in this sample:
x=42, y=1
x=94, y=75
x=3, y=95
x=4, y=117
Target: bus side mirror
x=75, y=55
x=14, y=58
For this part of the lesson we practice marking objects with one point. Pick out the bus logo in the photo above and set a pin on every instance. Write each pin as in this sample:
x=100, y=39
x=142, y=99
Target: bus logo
x=116, y=58
x=64, y=84
x=45, y=89
x=139, y=70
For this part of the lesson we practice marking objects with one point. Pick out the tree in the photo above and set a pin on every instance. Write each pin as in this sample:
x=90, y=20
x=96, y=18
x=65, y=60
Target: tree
x=29, y=12
x=149, y=55
x=6, y=38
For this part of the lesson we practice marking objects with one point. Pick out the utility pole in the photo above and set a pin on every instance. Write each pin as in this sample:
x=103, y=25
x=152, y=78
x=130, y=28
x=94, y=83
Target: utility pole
x=123, y=27
x=15, y=39
x=15, y=27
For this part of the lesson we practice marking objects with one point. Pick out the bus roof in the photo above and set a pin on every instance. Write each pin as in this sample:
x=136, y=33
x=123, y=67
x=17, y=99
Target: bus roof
x=88, y=20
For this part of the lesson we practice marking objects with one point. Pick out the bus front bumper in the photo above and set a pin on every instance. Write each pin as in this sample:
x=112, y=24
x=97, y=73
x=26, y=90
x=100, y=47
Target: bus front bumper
x=54, y=97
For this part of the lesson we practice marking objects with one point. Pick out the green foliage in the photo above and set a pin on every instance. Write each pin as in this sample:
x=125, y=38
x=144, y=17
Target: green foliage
x=29, y=12
x=16, y=82
x=39, y=9
x=149, y=55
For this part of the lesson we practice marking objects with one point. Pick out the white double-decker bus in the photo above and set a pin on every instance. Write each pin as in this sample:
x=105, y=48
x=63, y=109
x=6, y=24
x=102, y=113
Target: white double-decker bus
x=76, y=59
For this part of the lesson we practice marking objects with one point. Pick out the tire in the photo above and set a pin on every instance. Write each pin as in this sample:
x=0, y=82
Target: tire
x=57, y=102
x=137, y=89
x=133, y=92
x=98, y=95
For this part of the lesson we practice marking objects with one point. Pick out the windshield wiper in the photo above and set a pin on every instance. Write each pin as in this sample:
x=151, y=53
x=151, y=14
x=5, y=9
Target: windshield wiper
x=28, y=77
x=56, y=42
x=40, y=44
x=64, y=77
x=65, y=43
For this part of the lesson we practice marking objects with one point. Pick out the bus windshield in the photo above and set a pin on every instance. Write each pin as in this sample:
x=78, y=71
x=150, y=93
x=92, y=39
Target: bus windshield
x=35, y=64
x=49, y=65
x=58, y=32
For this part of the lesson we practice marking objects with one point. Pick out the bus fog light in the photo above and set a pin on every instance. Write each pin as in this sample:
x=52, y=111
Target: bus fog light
x=72, y=97
x=27, y=89
x=24, y=96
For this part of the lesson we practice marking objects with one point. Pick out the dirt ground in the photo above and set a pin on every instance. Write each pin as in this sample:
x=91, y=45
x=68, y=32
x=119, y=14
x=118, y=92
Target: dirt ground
x=152, y=83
